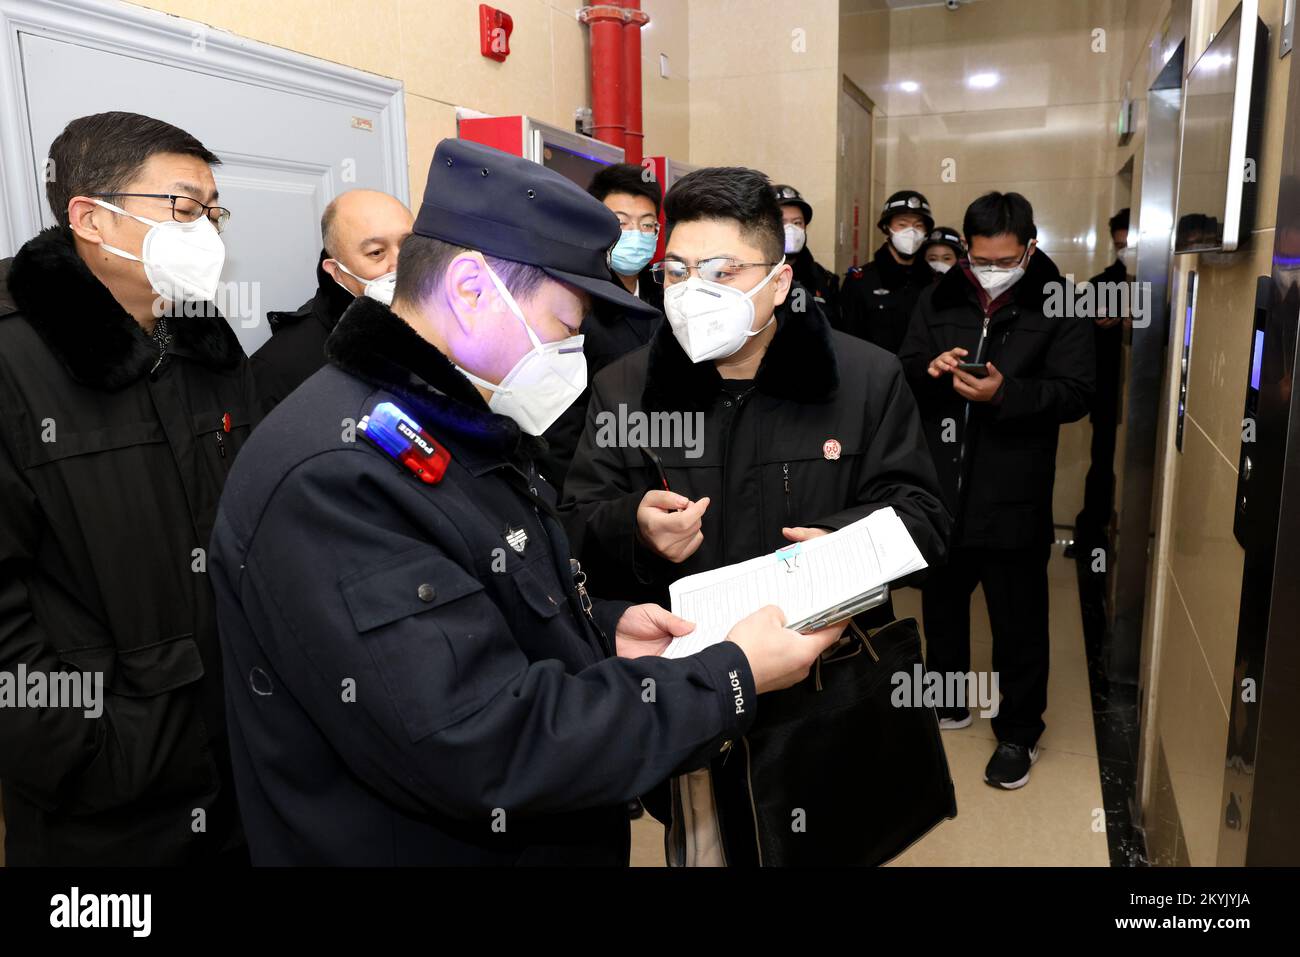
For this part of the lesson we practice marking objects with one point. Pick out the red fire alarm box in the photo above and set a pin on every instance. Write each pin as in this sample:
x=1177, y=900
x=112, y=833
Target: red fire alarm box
x=494, y=28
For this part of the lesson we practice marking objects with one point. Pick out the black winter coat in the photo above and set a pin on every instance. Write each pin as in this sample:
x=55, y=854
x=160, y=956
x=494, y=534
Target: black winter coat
x=762, y=458
x=296, y=348
x=111, y=466
x=823, y=284
x=1109, y=347
x=1004, y=456
x=417, y=682
x=609, y=333
x=877, y=300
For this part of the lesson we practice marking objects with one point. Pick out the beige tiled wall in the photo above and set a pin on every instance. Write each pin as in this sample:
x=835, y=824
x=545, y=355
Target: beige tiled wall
x=1203, y=562
x=763, y=93
x=432, y=47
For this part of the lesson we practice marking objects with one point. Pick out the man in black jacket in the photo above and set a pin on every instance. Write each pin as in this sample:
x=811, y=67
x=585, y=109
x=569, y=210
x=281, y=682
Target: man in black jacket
x=611, y=331
x=361, y=232
x=422, y=676
x=124, y=399
x=787, y=428
x=824, y=285
x=996, y=369
x=876, y=300
x=1091, y=526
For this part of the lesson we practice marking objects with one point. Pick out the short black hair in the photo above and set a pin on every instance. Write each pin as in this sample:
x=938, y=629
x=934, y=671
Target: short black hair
x=103, y=152
x=730, y=192
x=626, y=178
x=1119, y=221
x=996, y=214
x=422, y=262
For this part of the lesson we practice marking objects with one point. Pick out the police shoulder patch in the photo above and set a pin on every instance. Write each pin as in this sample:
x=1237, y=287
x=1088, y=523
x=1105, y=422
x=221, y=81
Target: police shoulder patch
x=399, y=436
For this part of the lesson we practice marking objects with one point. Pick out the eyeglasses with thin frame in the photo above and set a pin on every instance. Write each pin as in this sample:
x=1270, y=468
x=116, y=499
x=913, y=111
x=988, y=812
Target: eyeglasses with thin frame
x=649, y=229
x=718, y=269
x=185, y=209
x=1008, y=262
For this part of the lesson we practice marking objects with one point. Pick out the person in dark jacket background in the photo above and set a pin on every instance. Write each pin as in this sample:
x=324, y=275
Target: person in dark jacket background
x=423, y=677
x=876, y=300
x=796, y=215
x=788, y=429
x=1091, y=526
x=124, y=400
x=941, y=251
x=361, y=232
x=993, y=432
x=612, y=331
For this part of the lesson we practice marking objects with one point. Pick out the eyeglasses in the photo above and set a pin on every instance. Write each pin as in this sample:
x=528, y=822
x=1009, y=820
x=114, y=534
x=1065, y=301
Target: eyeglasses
x=719, y=269
x=649, y=229
x=185, y=209
x=1008, y=262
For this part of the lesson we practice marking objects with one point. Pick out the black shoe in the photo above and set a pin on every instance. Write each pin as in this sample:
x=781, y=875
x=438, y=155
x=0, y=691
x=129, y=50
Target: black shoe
x=1009, y=767
x=634, y=810
x=951, y=719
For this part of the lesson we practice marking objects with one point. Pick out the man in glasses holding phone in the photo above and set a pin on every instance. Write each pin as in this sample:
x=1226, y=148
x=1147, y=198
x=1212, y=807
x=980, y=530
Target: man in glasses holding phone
x=803, y=429
x=996, y=374
x=124, y=399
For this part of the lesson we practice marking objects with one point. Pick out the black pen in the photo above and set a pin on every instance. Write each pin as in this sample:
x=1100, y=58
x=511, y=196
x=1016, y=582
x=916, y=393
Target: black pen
x=653, y=459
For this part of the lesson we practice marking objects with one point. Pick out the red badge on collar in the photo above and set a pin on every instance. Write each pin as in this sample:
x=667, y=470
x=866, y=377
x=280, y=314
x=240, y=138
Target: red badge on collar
x=831, y=449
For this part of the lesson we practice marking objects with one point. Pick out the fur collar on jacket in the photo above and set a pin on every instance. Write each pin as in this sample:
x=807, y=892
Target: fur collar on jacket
x=98, y=342
x=376, y=345
x=799, y=363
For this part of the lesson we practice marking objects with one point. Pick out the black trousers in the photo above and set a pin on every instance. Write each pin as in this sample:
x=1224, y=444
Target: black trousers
x=1092, y=522
x=1015, y=590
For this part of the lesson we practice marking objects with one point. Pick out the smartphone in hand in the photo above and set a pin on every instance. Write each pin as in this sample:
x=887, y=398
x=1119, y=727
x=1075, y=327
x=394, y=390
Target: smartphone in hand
x=978, y=369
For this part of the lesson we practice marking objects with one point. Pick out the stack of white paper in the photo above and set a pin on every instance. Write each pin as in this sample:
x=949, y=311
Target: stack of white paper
x=805, y=580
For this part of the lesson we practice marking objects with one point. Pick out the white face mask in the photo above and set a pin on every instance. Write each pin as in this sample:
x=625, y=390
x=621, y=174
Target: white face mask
x=907, y=241
x=1129, y=257
x=939, y=266
x=380, y=288
x=545, y=380
x=182, y=261
x=795, y=238
x=995, y=280
x=710, y=320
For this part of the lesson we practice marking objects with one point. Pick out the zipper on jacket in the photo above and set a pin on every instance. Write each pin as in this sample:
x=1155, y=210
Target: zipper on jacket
x=753, y=809
x=726, y=451
x=785, y=472
x=965, y=418
x=221, y=444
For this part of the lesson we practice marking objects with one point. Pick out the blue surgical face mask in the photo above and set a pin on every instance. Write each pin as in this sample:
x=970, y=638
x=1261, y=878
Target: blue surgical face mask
x=633, y=251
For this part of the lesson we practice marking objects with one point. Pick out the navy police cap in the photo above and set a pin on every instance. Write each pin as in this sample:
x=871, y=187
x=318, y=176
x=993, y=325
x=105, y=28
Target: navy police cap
x=511, y=208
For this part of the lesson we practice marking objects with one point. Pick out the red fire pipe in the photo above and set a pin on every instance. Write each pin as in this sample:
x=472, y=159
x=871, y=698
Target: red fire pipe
x=606, y=23
x=633, y=137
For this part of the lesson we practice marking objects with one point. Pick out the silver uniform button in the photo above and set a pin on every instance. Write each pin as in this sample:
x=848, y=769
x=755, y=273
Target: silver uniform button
x=426, y=592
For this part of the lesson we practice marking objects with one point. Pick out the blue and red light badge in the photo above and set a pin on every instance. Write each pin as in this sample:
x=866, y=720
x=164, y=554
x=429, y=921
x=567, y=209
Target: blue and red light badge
x=400, y=437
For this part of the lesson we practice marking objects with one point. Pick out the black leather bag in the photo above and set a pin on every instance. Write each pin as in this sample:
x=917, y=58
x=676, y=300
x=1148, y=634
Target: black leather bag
x=832, y=773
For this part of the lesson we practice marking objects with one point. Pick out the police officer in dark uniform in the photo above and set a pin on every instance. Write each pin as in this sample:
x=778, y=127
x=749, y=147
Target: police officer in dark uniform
x=1092, y=525
x=415, y=670
x=796, y=215
x=877, y=299
x=941, y=250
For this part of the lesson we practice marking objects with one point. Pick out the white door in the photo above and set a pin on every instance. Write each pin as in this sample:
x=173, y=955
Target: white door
x=288, y=143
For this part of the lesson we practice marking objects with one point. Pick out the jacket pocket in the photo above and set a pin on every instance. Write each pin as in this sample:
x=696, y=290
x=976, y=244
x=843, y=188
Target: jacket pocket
x=146, y=671
x=439, y=646
x=151, y=741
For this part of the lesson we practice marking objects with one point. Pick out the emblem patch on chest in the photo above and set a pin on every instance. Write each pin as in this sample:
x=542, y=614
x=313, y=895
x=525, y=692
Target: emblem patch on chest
x=831, y=449
x=516, y=538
